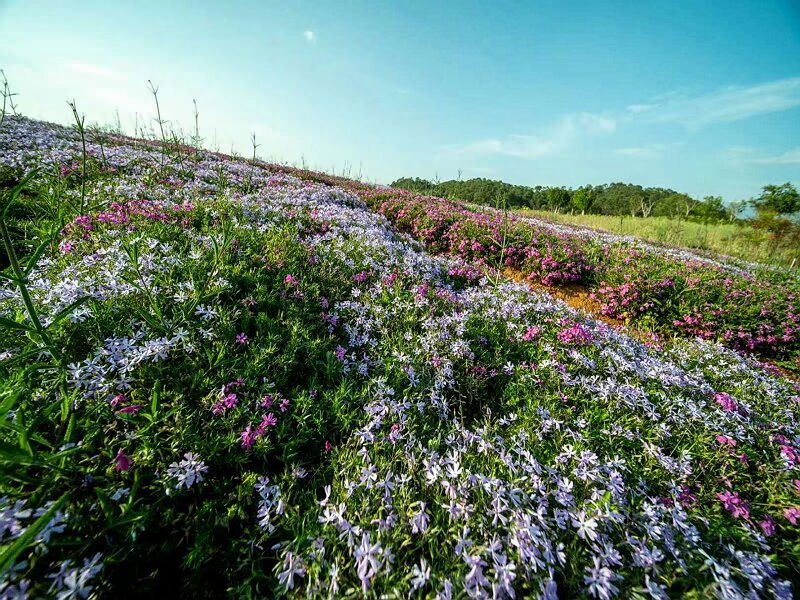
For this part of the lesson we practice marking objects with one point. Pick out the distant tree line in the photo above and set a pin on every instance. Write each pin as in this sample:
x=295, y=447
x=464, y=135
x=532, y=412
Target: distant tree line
x=620, y=199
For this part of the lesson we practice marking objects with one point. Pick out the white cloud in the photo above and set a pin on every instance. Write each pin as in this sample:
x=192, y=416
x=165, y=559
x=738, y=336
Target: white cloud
x=568, y=129
x=95, y=71
x=637, y=108
x=309, y=35
x=649, y=151
x=732, y=103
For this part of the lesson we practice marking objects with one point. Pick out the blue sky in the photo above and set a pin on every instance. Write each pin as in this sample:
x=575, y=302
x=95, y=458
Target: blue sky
x=702, y=97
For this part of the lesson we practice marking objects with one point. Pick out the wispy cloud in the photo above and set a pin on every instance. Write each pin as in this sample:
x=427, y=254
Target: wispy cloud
x=648, y=151
x=569, y=129
x=732, y=103
x=728, y=104
x=748, y=155
x=792, y=157
x=309, y=35
x=95, y=71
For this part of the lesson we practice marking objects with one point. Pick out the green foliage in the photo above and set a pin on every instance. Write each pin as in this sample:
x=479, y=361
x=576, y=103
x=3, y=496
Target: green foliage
x=582, y=199
x=777, y=200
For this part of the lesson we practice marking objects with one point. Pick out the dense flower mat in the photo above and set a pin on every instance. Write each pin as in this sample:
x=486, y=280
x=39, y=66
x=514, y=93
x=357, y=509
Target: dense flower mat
x=746, y=306
x=257, y=386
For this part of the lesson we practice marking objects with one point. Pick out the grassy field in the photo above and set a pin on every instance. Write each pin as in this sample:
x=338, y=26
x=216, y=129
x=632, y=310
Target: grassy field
x=731, y=239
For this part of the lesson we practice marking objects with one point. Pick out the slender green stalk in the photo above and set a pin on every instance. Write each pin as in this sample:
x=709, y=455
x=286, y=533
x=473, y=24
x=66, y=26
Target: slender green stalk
x=19, y=276
x=8, y=98
x=160, y=121
x=253, y=163
x=196, y=141
x=79, y=122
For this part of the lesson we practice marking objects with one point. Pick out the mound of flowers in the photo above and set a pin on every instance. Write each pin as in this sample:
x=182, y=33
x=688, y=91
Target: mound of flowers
x=744, y=306
x=246, y=384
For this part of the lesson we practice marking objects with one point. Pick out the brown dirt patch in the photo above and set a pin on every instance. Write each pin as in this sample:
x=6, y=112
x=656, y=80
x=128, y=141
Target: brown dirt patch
x=579, y=297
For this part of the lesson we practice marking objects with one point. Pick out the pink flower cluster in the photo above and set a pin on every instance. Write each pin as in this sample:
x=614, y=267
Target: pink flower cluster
x=576, y=335
x=123, y=213
x=726, y=402
x=531, y=333
x=735, y=505
x=229, y=399
x=250, y=435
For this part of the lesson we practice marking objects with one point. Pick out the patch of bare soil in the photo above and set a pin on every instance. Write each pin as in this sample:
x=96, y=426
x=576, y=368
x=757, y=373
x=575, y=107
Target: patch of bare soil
x=579, y=297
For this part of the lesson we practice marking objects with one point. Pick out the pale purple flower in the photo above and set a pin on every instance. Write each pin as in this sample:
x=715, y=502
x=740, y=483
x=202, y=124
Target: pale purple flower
x=188, y=471
x=293, y=567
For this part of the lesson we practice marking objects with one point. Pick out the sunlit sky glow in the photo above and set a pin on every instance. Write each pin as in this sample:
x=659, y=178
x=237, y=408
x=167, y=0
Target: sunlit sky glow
x=702, y=97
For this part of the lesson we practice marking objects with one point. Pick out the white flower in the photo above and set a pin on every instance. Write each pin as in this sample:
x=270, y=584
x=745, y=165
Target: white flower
x=421, y=574
x=187, y=472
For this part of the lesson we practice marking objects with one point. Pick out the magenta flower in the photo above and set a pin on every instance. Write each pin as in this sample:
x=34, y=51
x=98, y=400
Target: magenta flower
x=790, y=453
x=130, y=410
x=726, y=402
x=290, y=280
x=767, y=525
x=228, y=401
x=122, y=461
x=242, y=339
x=284, y=404
x=248, y=437
x=118, y=399
x=269, y=420
x=239, y=382
x=792, y=513
x=575, y=335
x=735, y=505
x=687, y=497
x=531, y=333
x=724, y=440
x=328, y=446
x=267, y=400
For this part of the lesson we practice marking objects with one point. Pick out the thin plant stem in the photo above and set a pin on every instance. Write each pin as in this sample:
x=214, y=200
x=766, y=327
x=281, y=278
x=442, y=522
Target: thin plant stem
x=79, y=121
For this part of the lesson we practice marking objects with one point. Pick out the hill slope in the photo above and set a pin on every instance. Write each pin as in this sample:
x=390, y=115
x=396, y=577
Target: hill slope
x=230, y=379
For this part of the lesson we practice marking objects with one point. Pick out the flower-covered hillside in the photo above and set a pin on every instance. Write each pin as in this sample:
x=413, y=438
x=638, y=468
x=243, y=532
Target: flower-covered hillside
x=746, y=306
x=217, y=379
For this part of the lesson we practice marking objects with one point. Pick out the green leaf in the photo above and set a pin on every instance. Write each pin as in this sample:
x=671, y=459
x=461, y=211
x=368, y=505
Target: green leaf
x=155, y=399
x=14, y=324
x=68, y=310
x=8, y=474
x=105, y=504
x=8, y=403
x=15, y=454
x=34, y=258
x=12, y=196
x=9, y=556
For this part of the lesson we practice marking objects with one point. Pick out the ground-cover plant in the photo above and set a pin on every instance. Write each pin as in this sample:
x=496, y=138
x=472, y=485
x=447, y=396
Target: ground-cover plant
x=266, y=389
x=745, y=306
